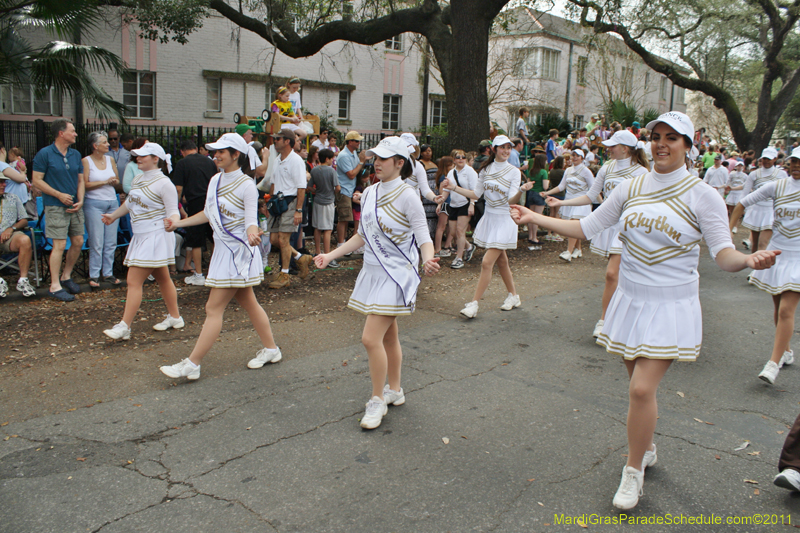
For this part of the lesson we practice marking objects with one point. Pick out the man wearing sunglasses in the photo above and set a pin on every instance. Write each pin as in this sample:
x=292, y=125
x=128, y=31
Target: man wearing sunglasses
x=117, y=150
x=58, y=173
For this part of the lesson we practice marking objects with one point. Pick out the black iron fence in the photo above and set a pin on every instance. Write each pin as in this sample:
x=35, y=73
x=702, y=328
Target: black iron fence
x=32, y=136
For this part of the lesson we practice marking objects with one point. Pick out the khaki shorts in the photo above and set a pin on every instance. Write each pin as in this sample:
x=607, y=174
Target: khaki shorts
x=5, y=247
x=286, y=222
x=344, y=208
x=59, y=224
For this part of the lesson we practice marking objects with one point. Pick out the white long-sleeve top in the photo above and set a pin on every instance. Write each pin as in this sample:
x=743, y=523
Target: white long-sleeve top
x=153, y=198
x=238, y=201
x=611, y=174
x=662, y=218
x=760, y=177
x=418, y=180
x=736, y=179
x=404, y=219
x=717, y=178
x=498, y=183
x=577, y=180
x=467, y=179
x=785, y=197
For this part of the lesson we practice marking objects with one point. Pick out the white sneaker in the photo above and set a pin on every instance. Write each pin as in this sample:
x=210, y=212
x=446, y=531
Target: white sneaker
x=630, y=488
x=169, y=322
x=650, y=458
x=787, y=358
x=24, y=286
x=264, y=356
x=512, y=301
x=565, y=255
x=746, y=243
x=735, y=230
x=195, y=279
x=391, y=397
x=442, y=253
x=3, y=288
x=598, y=328
x=788, y=479
x=576, y=253
x=119, y=331
x=376, y=410
x=770, y=372
x=184, y=369
x=470, y=310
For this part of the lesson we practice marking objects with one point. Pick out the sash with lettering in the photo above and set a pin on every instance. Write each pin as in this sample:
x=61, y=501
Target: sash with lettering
x=242, y=252
x=394, y=262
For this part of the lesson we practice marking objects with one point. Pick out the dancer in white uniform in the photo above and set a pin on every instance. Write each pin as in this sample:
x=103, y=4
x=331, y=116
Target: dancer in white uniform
x=393, y=225
x=152, y=199
x=717, y=176
x=734, y=189
x=232, y=210
x=783, y=280
x=758, y=217
x=577, y=181
x=627, y=161
x=654, y=316
x=418, y=180
x=498, y=183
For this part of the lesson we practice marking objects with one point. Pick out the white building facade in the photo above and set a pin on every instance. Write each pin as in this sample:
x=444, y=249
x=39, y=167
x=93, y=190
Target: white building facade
x=549, y=64
x=224, y=70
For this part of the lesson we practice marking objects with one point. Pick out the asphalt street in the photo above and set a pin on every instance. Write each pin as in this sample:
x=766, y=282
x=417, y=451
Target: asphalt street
x=512, y=420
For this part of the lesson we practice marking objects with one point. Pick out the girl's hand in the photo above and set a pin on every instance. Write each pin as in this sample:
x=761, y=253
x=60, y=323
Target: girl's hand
x=527, y=186
x=431, y=266
x=762, y=259
x=254, y=239
x=471, y=209
x=446, y=185
x=438, y=209
x=552, y=201
x=439, y=199
x=169, y=225
x=322, y=261
x=107, y=219
x=521, y=215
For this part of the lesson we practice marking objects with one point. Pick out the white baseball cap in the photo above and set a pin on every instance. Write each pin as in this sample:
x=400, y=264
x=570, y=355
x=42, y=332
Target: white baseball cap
x=156, y=150
x=388, y=147
x=230, y=140
x=500, y=140
x=578, y=151
x=413, y=144
x=795, y=154
x=623, y=137
x=676, y=120
x=769, y=153
x=693, y=153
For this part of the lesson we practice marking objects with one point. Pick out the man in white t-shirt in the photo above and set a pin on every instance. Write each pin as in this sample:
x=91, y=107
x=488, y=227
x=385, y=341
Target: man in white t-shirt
x=717, y=176
x=289, y=179
x=322, y=141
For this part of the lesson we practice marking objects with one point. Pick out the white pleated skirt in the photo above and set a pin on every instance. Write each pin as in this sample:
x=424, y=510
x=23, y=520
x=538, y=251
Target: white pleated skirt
x=758, y=217
x=496, y=230
x=376, y=293
x=733, y=197
x=607, y=243
x=222, y=272
x=153, y=249
x=575, y=212
x=653, y=322
x=784, y=275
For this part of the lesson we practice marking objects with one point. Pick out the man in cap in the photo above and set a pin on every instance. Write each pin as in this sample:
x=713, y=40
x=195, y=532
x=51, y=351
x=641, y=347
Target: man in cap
x=483, y=154
x=717, y=176
x=191, y=176
x=58, y=173
x=258, y=164
x=288, y=178
x=13, y=219
x=349, y=164
x=593, y=125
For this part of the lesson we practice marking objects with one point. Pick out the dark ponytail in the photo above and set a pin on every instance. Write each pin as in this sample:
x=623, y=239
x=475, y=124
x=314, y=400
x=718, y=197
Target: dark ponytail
x=488, y=161
x=408, y=166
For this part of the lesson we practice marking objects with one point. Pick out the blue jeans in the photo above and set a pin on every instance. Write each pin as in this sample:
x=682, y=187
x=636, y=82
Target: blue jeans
x=102, y=239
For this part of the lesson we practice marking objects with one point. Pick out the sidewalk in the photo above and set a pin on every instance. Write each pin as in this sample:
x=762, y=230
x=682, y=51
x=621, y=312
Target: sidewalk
x=511, y=419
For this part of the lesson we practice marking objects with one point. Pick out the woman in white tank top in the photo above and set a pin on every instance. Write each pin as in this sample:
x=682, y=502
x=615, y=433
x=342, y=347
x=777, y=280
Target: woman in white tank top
x=101, y=179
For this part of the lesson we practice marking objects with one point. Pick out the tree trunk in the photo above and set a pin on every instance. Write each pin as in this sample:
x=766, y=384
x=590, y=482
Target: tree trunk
x=464, y=75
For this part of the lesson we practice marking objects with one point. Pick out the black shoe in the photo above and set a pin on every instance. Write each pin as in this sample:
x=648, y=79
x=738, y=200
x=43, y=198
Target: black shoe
x=469, y=253
x=70, y=286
